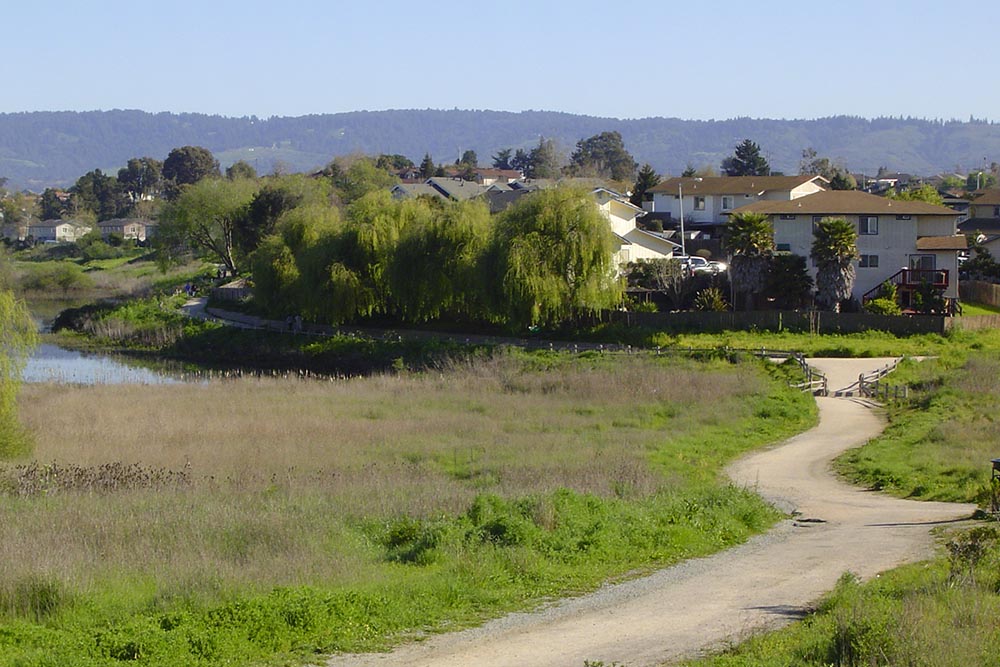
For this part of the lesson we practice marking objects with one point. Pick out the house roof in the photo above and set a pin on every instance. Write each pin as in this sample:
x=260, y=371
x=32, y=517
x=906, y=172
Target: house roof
x=736, y=185
x=416, y=189
x=990, y=197
x=958, y=242
x=55, y=222
x=979, y=225
x=844, y=202
x=456, y=188
x=119, y=222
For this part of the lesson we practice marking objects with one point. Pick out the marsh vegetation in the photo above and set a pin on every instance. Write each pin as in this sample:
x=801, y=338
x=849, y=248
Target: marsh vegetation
x=263, y=519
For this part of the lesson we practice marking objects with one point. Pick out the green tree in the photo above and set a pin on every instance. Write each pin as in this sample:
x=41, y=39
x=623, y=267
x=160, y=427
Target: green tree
x=603, y=156
x=502, y=159
x=746, y=161
x=551, y=259
x=521, y=162
x=394, y=162
x=749, y=239
x=543, y=161
x=204, y=218
x=50, y=205
x=354, y=176
x=141, y=179
x=98, y=193
x=647, y=179
x=834, y=249
x=843, y=180
x=241, y=169
x=469, y=159
x=788, y=284
x=185, y=166
x=689, y=171
x=427, y=168
x=434, y=267
x=276, y=197
x=17, y=330
x=925, y=193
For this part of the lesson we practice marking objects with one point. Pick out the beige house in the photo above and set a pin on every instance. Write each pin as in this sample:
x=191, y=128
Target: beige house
x=128, y=228
x=712, y=199
x=58, y=231
x=904, y=242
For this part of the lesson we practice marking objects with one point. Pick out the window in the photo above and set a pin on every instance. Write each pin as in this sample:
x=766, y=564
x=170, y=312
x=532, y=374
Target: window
x=784, y=247
x=699, y=203
x=904, y=217
x=868, y=225
x=727, y=203
x=786, y=216
x=996, y=211
x=868, y=262
x=923, y=262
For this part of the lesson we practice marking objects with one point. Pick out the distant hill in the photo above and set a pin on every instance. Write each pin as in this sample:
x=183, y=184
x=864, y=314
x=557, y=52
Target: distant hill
x=42, y=149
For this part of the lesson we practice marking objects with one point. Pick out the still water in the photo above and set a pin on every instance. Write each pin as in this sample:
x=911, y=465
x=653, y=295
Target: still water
x=51, y=363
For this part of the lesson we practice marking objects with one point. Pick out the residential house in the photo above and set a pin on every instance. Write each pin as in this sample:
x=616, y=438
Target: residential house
x=633, y=242
x=60, y=231
x=904, y=242
x=712, y=199
x=983, y=223
x=136, y=229
x=454, y=189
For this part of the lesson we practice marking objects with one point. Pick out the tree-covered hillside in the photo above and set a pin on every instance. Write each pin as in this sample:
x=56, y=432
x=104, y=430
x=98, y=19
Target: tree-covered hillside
x=44, y=149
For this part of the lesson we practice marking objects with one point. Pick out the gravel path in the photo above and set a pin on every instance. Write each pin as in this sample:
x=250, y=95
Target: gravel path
x=703, y=604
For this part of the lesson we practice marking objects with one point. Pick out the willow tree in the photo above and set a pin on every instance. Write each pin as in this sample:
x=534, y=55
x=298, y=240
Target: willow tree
x=435, y=264
x=834, y=248
x=551, y=259
x=17, y=338
x=374, y=227
x=749, y=238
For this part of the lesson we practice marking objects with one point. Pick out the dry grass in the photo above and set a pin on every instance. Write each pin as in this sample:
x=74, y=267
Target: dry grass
x=493, y=426
x=258, y=482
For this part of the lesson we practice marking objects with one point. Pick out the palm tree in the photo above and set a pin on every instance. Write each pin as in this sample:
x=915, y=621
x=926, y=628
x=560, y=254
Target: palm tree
x=834, y=248
x=749, y=238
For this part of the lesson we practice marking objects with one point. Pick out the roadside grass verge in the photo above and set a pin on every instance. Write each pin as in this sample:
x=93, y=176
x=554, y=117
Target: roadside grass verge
x=942, y=613
x=262, y=521
x=938, y=445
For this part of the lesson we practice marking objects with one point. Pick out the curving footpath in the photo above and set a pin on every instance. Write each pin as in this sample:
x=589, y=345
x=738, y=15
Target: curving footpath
x=705, y=603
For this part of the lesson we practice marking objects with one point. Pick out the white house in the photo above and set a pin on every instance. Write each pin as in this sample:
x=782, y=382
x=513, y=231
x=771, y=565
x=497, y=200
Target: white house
x=58, y=230
x=634, y=244
x=712, y=199
x=904, y=242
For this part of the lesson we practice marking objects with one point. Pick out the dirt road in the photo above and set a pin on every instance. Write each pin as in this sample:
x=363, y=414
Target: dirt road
x=703, y=603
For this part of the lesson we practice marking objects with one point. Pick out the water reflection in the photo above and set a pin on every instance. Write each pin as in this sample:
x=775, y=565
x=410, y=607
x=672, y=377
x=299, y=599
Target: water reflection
x=51, y=363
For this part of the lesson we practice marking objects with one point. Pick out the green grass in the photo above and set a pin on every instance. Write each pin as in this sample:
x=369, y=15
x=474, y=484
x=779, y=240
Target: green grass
x=939, y=444
x=979, y=309
x=264, y=521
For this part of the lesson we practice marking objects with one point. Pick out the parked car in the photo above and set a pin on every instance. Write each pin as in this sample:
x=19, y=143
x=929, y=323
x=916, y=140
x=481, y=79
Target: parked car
x=696, y=264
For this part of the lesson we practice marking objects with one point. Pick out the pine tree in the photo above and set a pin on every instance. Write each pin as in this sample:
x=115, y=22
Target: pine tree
x=746, y=161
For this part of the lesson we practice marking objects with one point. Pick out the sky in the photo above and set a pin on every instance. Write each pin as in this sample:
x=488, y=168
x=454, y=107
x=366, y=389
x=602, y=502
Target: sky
x=707, y=59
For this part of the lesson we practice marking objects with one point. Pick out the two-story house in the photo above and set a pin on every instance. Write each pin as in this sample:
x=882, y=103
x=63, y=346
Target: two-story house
x=633, y=243
x=58, y=231
x=712, y=199
x=904, y=242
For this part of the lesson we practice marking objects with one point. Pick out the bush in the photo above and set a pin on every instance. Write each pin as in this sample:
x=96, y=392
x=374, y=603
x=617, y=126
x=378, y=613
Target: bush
x=883, y=306
x=64, y=276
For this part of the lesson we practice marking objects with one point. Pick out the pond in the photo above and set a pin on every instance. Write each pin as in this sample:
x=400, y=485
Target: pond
x=53, y=363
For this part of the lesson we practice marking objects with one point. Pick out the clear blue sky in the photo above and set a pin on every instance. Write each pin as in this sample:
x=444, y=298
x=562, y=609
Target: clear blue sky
x=696, y=59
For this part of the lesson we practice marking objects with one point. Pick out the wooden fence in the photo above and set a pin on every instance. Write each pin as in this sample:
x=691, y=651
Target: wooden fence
x=978, y=291
x=795, y=321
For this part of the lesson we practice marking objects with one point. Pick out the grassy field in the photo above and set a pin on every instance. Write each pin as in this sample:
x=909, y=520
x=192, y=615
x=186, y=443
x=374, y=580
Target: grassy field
x=261, y=521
